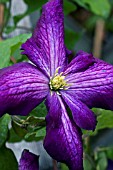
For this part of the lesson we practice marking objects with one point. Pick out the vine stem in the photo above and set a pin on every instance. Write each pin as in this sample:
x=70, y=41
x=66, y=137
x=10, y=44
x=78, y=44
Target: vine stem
x=13, y=60
x=55, y=165
x=87, y=143
x=98, y=38
x=1, y=19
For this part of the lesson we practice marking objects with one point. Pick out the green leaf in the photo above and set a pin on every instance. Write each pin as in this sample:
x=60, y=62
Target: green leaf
x=9, y=29
x=30, y=128
x=101, y=161
x=109, y=153
x=91, y=22
x=87, y=164
x=111, y=2
x=20, y=130
x=105, y=118
x=64, y=167
x=4, y=121
x=3, y=1
x=41, y=132
x=16, y=53
x=81, y=3
x=13, y=137
x=98, y=7
x=16, y=19
x=36, y=128
x=34, y=121
x=34, y=5
x=7, y=47
x=69, y=7
x=36, y=135
x=39, y=111
x=7, y=159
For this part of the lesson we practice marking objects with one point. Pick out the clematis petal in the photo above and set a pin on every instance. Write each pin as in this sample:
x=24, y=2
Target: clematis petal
x=36, y=55
x=93, y=86
x=48, y=39
x=22, y=88
x=28, y=161
x=82, y=115
x=81, y=62
x=63, y=138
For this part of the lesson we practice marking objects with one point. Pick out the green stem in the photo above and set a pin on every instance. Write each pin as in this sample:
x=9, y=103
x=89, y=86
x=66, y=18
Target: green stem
x=87, y=144
x=4, y=24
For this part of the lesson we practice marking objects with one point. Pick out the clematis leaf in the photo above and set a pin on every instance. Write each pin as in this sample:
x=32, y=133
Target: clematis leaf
x=98, y=7
x=39, y=111
x=41, y=132
x=87, y=164
x=69, y=7
x=3, y=1
x=101, y=159
x=4, y=121
x=19, y=129
x=36, y=135
x=109, y=152
x=32, y=5
x=13, y=137
x=12, y=45
x=104, y=118
x=30, y=129
x=7, y=159
x=64, y=167
x=81, y=3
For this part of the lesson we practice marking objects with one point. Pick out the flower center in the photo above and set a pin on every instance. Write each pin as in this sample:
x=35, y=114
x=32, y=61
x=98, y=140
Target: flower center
x=58, y=82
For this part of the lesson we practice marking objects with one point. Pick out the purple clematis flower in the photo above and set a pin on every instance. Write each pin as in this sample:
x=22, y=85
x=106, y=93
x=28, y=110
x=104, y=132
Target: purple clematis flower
x=84, y=83
x=28, y=161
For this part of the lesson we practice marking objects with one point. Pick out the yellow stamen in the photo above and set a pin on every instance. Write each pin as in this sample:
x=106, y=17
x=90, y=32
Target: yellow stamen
x=58, y=81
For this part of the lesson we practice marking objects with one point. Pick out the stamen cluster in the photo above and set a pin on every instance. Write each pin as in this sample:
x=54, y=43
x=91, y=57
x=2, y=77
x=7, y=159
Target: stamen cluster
x=58, y=81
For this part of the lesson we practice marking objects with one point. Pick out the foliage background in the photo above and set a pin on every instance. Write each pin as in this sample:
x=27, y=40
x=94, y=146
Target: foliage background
x=88, y=27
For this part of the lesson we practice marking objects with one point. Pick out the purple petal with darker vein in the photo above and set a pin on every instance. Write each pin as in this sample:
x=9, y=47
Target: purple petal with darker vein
x=81, y=62
x=82, y=115
x=28, y=161
x=36, y=55
x=22, y=88
x=63, y=138
x=47, y=41
x=94, y=86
